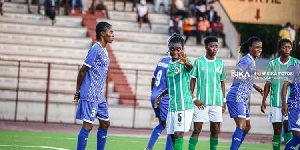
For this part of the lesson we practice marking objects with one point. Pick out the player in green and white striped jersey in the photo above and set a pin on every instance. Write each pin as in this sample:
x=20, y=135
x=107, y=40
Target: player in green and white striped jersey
x=209, y=102
x=275, y=74
x=181, y=104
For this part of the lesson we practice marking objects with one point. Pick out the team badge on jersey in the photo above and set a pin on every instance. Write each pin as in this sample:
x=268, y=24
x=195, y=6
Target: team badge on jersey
x=195, y=115
x=176, y=70
x=219, y=70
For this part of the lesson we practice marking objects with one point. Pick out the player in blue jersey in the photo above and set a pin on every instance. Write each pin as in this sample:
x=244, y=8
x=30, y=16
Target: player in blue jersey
x=240, y=90
x=292, y=107
x=159, y=85
x=90, y=81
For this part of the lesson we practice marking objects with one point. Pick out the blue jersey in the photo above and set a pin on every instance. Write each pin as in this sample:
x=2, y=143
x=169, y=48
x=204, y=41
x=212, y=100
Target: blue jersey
x=243, y=80
x=160, y=83
x=97, y=61
x=293, y=76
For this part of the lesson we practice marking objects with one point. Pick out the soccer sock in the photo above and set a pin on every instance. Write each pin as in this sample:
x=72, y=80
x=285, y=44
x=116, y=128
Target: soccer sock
x=192, y=143
x=287, y=137
x=82, y=139
x=101, y=139
x=169, y=144
x=155, y=134
x=178, y=144
x=276, y=142
x=243, y=137
x=292, y=143
x=236, y=139
x=213, y=143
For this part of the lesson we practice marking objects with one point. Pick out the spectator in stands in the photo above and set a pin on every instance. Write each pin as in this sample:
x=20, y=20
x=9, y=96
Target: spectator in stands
x=175, y=25
x=101, y=6
x=77, y=3
x=203, y=27
x=212, y=15
x=189, y=27
x=200, y=9
x=159, y=2
x=143, y=14
x=1, y=4
x=124, y=6
x=180, y=9
x=293, y=33
x=217, y=29
x=29, y=5
x=285, y=33
x=50, y=7
x=192, y=7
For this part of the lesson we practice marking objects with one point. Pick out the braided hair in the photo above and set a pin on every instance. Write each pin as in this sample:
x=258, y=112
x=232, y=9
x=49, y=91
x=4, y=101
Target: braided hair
x=245, y=45
x=101, y=26
x=282, y=41
x=175, y=38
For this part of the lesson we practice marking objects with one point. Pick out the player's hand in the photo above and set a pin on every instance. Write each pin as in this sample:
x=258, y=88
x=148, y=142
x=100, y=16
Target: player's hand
x=157, y=100
x=260, y=90
x=284, y=110
x=76, y=97
x=199, y=104
x=263, y=106
x=224, y=107
x=183, y=59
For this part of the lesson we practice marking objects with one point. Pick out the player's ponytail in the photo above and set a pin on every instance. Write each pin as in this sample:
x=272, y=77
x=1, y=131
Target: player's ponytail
x=245, y=45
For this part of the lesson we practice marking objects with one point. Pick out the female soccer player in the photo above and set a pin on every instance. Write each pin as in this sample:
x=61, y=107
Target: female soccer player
x=274, y=85
x=292, y=107
x=90, y=81
x=241, y=88
x=181, y=105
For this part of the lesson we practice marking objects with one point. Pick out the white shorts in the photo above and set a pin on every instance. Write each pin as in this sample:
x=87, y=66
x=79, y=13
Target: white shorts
x=179, y=121
x=275, y=115
x=209, y=113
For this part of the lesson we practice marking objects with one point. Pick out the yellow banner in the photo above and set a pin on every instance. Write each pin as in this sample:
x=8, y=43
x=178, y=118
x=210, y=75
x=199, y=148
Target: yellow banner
x=263, y=11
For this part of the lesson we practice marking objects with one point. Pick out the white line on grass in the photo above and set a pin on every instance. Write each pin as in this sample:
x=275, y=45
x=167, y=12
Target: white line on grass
x=45, y=147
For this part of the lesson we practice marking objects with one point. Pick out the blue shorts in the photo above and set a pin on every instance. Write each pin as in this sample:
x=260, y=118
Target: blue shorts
x=294, y=120
x=88, y=111
x=238, y=109
x=161, y=111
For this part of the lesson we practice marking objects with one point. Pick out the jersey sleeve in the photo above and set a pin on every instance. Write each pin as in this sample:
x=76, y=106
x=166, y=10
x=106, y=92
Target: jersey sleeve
x=269, y=70
x=91, y=57
x=194, y=73
x=291, y=73
x=155, y=71
x=223, y=74
x=189, y=60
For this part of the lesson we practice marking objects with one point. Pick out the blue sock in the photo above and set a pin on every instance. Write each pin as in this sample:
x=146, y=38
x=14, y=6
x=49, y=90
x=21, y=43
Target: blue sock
x=169, y=144
x=101, y=139
x=236, y=139
x=243, y=137
x=82, y=139
x=292, y=143
x=155, y=134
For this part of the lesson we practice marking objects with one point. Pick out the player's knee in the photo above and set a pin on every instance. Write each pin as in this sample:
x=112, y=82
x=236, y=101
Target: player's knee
x=87, y=126
x=197, y=130
x=104, y=125
x=247, y=128
x=214, y=132
x=277, y=130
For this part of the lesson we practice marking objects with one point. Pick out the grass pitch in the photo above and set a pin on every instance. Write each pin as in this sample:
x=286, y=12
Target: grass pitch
x=34, y=140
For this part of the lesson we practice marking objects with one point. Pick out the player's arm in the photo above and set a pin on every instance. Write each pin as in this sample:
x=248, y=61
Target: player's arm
x=284, y=108
x=224, y=99
x=80, y=76
x=266, y=93
x=158, y=99
x=258, y=89
x=184, y=61
x=152, y=83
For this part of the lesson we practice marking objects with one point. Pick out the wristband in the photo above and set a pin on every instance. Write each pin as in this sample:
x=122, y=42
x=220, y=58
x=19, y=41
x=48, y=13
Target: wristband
x=194, y=98
x=224, y=99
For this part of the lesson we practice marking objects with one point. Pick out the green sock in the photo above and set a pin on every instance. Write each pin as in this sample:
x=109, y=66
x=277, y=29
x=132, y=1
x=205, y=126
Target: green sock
x=287, y=137
x=192, y=143
x=276, y=142
x=178, y=144
x=213, y=143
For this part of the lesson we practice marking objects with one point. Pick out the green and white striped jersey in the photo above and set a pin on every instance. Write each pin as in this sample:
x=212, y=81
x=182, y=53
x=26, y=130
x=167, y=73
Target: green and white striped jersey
x=209, y=74
x=179, y=87
x=275, y=74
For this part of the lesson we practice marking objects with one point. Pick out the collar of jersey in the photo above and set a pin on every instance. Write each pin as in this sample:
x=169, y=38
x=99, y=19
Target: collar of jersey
x=252, y=59
x=103, y=48
x=209, y=59
x=285, y=62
